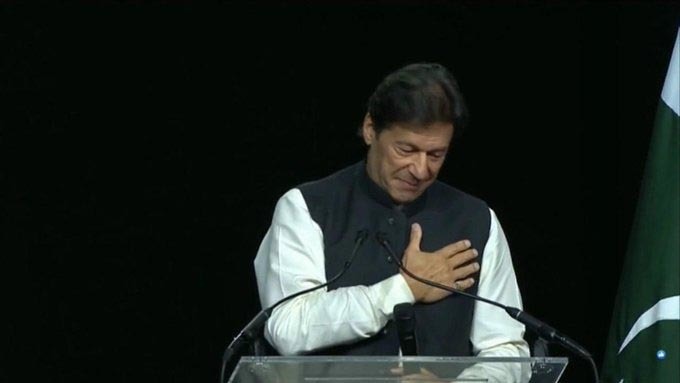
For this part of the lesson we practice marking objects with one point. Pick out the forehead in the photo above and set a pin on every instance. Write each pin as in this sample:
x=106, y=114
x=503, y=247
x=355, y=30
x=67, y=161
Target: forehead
x=433, y=136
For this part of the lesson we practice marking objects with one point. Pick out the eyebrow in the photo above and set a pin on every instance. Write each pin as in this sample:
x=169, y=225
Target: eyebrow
x=410, y=145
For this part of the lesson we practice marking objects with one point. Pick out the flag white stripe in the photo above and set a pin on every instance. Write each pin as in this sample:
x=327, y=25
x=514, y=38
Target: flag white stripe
x=664, y=309
x=671, y=87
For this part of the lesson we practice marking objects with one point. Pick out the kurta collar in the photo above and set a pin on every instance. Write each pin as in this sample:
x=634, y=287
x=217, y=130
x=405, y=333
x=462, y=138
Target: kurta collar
x=379, y=195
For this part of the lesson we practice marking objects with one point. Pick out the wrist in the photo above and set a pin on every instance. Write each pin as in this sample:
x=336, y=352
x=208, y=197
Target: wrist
x=414, y=286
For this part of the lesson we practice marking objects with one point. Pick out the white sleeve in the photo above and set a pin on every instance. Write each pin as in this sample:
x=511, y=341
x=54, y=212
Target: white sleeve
x=494, y=333
x=291, y=259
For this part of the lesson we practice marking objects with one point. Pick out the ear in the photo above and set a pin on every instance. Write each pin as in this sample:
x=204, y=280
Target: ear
x=367, y=130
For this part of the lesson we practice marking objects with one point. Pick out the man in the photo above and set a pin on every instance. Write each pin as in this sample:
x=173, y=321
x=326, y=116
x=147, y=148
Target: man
x=442, y=234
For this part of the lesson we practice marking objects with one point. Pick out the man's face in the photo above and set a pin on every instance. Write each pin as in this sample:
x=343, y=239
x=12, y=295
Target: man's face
x=405, y=160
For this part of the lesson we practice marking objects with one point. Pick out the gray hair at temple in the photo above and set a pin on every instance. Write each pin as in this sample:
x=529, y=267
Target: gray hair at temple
x=420, y=94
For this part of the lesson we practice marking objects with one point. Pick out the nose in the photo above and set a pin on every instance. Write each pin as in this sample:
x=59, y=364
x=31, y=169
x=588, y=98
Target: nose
x=418, y=166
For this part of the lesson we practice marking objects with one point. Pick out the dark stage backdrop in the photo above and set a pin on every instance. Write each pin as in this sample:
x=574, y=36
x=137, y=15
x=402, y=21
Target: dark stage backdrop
x=143, y=149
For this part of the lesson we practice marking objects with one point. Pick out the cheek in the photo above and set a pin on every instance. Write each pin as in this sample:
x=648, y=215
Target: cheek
x=397, y=165
x=391, y=162
x=435, y=166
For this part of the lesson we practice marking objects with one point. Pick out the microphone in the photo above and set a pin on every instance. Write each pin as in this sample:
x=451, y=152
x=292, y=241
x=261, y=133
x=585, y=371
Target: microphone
x=547, y=332
x=405, y=319
x=249, y=332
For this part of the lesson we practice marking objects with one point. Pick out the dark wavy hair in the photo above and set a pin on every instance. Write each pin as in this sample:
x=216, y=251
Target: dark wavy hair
x=419, y=94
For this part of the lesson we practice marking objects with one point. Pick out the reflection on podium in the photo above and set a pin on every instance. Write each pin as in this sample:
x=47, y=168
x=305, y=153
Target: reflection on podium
x=337, y=369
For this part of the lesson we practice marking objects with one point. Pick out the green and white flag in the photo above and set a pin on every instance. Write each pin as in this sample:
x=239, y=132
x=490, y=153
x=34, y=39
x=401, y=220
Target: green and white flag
x=644, y=338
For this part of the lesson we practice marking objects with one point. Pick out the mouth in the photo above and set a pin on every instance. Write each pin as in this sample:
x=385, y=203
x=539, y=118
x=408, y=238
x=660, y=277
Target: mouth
x=408, y=185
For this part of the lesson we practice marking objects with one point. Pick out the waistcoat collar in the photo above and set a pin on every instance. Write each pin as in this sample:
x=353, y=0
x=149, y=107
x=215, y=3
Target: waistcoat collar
x=379, y=195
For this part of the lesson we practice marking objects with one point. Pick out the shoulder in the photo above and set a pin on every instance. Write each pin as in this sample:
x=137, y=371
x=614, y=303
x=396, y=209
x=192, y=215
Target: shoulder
x=341, y=179
x=446, y=196
x=314, y=198
x=453, y=204
x=325, y=191
x=290, y=205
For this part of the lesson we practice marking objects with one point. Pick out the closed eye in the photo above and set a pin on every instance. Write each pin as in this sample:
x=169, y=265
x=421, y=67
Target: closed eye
x=406, y=149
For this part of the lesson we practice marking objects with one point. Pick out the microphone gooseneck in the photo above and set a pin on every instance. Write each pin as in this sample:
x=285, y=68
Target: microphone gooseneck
x=249, y=332
x=542, y=329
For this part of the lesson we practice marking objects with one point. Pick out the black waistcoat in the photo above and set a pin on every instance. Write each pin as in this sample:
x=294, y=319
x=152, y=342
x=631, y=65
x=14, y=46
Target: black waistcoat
x=349, y=201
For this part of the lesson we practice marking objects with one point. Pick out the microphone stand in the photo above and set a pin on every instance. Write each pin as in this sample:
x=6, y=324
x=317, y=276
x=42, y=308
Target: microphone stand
x=542, y=329
x=250, y=331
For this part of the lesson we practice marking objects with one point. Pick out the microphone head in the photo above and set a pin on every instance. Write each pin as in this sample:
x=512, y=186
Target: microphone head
x=404, y=312
x=361, y=235
x=381, y=237
x=405, y=320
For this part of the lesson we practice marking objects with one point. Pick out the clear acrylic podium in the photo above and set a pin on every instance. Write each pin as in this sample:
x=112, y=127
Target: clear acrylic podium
x=356, y=369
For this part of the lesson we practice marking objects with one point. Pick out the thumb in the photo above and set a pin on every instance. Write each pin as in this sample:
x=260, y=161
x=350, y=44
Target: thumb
x=416, y=235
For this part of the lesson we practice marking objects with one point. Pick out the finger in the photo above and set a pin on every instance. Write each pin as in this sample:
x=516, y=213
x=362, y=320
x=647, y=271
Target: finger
x=454, y=248
x=462, y=258
x=427, y=372
x=411, y=378
x=464, y=284
x=416, y=236
x=414, y=378
x=419, y=377
x=464, y=271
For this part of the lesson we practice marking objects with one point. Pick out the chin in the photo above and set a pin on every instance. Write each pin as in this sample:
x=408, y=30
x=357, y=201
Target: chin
x=402, y=198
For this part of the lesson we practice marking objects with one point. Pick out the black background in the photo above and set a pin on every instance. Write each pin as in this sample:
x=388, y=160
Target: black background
x=143, y=148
